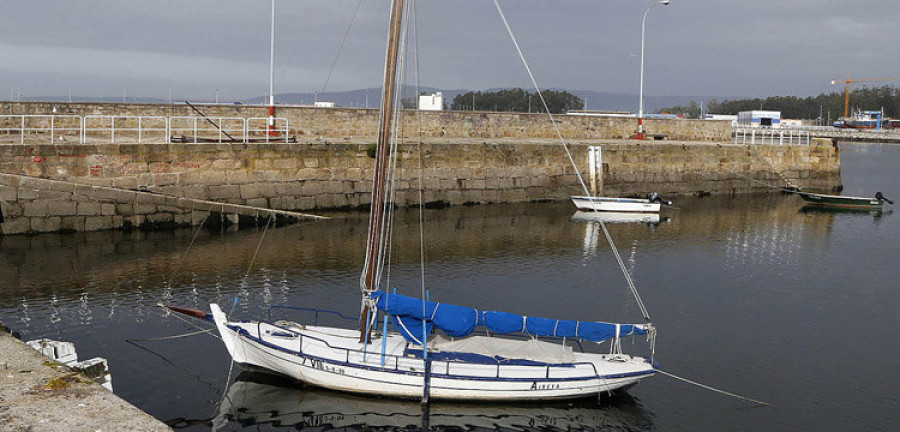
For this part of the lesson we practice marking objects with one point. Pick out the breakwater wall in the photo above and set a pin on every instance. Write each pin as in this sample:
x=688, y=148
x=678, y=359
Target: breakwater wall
x=318, y=174
x=358, y=123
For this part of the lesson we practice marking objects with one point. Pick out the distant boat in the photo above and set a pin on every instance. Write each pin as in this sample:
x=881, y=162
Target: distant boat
x=863, y=120
x=651, y=204
x=848, y=202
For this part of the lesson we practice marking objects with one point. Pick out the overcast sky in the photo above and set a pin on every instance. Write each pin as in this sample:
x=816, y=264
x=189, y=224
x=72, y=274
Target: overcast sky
x=194, y=47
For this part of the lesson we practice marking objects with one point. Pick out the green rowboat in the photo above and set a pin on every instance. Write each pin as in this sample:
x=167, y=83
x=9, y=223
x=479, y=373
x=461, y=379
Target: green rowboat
x=848, y=202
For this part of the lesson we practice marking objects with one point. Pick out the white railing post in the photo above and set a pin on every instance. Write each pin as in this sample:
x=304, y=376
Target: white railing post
x=195, y=130
x=22, y=132
x=139, y=129
x=52, y=128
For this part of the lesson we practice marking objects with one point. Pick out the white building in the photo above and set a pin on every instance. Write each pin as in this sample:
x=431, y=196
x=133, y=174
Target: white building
x=432, y=102
x=324, y=105
x=722, y=117
x=759, y=118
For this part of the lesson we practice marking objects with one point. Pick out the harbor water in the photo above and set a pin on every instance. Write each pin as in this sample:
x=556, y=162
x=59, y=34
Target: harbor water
x=756, y=295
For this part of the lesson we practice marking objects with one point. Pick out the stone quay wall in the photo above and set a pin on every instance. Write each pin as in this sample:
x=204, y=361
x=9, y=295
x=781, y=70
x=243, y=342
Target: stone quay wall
x=465, y=158
x=85, y=187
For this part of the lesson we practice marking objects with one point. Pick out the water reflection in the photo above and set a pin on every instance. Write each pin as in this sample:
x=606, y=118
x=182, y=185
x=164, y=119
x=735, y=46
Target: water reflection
x=121, y=276
x=258, y=401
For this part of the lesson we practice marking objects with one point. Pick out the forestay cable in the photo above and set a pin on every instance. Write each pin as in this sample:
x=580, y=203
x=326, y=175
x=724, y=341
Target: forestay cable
x=612, y=245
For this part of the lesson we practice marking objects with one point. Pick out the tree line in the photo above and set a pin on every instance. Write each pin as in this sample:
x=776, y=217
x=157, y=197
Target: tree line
x=517, y=100
x=827, y=106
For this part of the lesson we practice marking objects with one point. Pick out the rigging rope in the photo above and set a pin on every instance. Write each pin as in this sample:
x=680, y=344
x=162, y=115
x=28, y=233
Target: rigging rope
x=571, y=160
x=415, y=38
x=671, y=375
x=541, y=96
x=258, y=245
x=341, y=48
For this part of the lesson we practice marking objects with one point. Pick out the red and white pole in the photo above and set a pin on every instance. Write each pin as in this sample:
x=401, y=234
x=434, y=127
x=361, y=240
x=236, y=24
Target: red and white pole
x=272, y=76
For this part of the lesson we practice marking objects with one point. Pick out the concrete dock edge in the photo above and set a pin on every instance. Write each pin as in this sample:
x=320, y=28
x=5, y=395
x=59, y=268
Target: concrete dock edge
x=37, y=395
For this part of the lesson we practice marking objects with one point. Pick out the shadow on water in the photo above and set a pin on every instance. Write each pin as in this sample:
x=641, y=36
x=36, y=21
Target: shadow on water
x=257, y=401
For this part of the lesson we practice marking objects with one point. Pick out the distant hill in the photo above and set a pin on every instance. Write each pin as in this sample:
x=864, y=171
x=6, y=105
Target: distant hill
x=594, y=100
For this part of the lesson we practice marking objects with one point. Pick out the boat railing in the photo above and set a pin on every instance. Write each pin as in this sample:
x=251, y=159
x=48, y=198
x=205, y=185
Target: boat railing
x=392, y=361
x=315, y=312
x=771, y=136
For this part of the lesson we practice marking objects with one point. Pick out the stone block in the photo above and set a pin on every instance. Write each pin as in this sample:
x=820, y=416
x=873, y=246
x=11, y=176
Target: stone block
x=89, y=209
x=335, y=187
x=313, y=188
x=200, y=192
x=16, y=225
x=26, y=194
x=62, y=208
x=125, y=183
x=8, y=193
x=324, y=201
x=224, y=192
x=211, y=178
x=161, y=218
x=307, y=174
x=135, y=220
x=144, y=209
x=249, y=191
x=46, y=224
x=72, y=223
x=34, y=209
x=258, y=202
x=237, y=177
x=107, y=209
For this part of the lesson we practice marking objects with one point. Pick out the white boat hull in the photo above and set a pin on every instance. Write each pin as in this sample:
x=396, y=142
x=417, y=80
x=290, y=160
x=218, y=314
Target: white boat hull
x=333, y=358
x=631, y=205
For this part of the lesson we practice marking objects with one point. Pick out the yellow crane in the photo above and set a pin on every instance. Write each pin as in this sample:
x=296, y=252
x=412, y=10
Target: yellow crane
x=847, y=89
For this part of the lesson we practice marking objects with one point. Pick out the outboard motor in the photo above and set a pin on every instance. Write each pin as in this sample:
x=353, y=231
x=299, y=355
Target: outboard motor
x=881, y=197
x=654, y=197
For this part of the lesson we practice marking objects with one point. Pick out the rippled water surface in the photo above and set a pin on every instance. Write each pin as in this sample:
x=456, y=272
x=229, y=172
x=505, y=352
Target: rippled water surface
x=752, y=294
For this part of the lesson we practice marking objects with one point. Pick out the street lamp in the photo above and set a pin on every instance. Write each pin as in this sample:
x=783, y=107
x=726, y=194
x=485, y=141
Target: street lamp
x=641, y=90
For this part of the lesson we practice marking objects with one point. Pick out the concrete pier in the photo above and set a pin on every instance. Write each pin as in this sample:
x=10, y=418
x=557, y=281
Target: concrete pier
x=37, y=395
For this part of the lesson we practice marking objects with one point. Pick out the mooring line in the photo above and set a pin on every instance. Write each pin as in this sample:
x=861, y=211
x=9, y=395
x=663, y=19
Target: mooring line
x=174, y=336
x=671, y=375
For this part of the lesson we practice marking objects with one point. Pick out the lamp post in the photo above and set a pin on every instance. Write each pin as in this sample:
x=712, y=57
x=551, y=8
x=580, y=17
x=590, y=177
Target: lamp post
x=641, y=89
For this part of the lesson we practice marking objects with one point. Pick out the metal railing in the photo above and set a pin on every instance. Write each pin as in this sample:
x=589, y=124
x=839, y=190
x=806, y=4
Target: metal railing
x=37, y=128
x=116, y=129
x=258, y=129
x=199, y=129
x=770, y=136
x=100, y=128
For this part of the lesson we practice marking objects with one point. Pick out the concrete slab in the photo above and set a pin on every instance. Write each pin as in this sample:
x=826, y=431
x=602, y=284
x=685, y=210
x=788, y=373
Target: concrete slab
x=39, y=395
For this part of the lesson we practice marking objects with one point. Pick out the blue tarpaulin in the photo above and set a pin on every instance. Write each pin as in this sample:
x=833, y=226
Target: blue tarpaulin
x=459, y=321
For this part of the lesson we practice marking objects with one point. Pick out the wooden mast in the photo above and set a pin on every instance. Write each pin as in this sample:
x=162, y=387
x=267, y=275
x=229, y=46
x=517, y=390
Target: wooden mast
x=374, y=249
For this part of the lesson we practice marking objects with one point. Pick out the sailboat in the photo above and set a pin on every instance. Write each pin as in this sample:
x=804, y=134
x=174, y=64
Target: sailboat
x=434, y=350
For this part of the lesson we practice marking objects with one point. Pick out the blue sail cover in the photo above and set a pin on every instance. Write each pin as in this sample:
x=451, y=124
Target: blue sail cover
x=459, y=321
